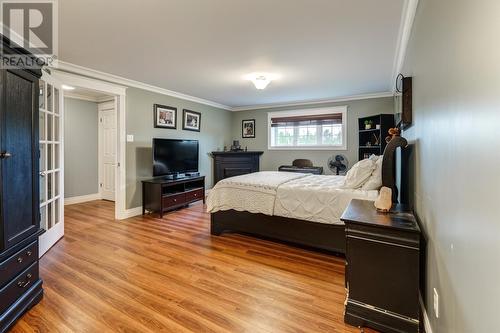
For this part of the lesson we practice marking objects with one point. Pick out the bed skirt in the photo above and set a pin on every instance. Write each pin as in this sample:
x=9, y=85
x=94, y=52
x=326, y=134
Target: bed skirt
x=329, y=237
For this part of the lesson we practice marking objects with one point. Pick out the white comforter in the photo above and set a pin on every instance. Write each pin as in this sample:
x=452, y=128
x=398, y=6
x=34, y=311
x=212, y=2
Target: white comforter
x=317, y=198
x=296, y=195
x=254, y=192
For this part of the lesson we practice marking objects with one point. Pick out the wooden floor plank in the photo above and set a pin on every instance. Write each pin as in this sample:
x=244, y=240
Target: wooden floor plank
x=147, y=274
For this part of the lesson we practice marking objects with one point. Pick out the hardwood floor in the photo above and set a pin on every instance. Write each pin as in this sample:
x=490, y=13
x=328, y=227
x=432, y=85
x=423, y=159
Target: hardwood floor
x=147, y=274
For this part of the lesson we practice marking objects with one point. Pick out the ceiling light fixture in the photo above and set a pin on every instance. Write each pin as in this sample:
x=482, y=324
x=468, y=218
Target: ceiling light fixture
x=261, y=80
x=66, y=87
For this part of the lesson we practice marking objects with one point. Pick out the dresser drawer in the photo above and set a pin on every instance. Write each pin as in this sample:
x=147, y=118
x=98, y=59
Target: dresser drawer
x=18, y=286
x=194, y=195
x=174, y=200
x=18, y=262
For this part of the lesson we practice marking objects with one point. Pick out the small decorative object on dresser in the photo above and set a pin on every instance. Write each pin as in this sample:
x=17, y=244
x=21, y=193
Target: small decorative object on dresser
x=165, y=116
x=382, y=268
x=248, y=128
x=384, y=200
x=191, y=120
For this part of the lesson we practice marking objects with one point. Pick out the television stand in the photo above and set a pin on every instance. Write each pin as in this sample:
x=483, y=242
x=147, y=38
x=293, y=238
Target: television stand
x=162, y=195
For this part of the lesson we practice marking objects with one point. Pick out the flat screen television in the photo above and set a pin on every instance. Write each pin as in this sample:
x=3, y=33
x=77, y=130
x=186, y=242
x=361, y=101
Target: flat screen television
x=173, y=157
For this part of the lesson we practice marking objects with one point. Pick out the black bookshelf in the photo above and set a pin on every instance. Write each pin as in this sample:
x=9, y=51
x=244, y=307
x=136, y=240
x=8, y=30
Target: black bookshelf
x=372, y=140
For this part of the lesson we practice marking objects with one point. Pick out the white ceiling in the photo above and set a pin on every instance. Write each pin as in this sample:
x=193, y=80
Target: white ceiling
x=87, y=94
x=323, y=49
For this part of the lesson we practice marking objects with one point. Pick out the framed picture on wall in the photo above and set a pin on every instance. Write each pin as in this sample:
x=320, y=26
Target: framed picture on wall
x=165, y=116
x=248, y=128
x=191, y=120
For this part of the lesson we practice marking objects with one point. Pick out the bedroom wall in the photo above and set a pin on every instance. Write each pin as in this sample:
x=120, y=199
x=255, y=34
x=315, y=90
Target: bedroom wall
x=272, y=159
x=453, y=57
x=215, y=133
x=80, y=148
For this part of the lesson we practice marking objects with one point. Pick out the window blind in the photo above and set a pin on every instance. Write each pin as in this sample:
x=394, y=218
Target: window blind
x=307, y=120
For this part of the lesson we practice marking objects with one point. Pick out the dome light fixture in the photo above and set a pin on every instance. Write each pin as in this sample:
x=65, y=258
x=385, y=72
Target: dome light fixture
x=261, y=80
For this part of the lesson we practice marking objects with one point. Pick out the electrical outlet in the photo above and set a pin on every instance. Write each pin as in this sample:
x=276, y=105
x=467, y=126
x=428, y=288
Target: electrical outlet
x=436, y=303
x=130, y=138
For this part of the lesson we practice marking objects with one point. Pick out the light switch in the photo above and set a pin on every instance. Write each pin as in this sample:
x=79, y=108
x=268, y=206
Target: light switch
x=130, y=138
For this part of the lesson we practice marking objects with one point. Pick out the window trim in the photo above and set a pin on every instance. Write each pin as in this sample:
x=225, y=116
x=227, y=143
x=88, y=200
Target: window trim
x=302, y=112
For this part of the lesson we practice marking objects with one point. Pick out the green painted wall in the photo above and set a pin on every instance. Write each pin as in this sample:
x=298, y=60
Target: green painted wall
x=272, y=159
x=453, y=57
x=80, y=148
x=215, y=133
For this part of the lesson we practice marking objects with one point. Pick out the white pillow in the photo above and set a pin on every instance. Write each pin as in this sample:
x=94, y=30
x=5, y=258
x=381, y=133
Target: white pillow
x=375, y=180
x=359, y=173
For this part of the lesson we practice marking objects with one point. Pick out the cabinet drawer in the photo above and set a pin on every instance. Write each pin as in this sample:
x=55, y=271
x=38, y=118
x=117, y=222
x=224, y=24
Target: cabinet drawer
x=18, y=286
x=194, y=195
x=17, y=262
x=174, y=200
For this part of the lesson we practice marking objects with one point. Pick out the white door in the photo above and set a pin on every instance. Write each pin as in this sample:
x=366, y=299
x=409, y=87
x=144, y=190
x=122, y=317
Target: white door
x=107, y=149
x=51, y=162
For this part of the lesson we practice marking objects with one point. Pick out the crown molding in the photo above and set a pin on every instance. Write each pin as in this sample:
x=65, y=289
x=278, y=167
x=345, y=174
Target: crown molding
x=314, y=102
x=95, y=74
x=407, y=19
x=71, y=95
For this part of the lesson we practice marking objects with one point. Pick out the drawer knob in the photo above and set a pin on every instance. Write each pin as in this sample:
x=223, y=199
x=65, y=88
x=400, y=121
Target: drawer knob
x=175, y=200
x=29, y=275
x=19, y=260
x=29, y=253
x=196, y=194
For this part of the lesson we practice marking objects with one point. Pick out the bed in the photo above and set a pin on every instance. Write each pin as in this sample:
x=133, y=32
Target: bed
x=292, y=207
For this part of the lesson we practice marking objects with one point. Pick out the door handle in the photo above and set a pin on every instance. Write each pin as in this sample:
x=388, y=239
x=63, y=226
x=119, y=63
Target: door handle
x=42, y=173
x=5, y=155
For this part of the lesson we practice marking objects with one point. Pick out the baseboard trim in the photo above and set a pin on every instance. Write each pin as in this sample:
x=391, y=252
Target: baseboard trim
x=131, y=212
x=425, y=317
x=82, y=198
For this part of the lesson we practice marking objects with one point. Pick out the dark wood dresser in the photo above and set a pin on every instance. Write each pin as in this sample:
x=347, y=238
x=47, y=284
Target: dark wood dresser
x=20, y=283
x=162, y=195
x=382, y=268
x=229, y=164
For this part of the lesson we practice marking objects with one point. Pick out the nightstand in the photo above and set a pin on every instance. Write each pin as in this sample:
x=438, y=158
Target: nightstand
x=382, y=267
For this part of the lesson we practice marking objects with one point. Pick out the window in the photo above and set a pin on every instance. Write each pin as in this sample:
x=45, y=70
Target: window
x=308, y=129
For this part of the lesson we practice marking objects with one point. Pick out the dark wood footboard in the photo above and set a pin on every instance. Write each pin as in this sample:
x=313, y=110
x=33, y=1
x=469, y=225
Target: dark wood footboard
x=330, y=237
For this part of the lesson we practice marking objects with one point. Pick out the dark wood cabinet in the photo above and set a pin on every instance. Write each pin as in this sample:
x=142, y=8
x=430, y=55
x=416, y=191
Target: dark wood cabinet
x=162, y=195
x=229, y=164
x=382, y=268
x=20, y=285
x=372, y=140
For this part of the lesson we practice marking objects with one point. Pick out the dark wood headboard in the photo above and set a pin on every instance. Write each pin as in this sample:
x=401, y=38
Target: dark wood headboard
x=389, y=165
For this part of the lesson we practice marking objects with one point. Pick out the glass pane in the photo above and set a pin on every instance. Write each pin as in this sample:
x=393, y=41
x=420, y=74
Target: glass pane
x=41, y=97
x=49, y=156
x=56, y=211
x=56, y=129
x=56, y=156
x=56, y=184
x=56, y=100
x=43, y=217
x=43, y=156
x=42, y=188
x=50, y=188
x=41, y=125
x=49, y=97
x=49, y=215
x=49, y=127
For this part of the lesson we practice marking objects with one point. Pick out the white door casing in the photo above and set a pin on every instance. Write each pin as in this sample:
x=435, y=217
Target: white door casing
x=107, y=149
x=51, y=132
